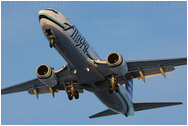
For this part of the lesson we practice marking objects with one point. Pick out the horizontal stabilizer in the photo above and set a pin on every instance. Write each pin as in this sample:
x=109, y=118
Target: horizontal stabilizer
x=107, y=112
x=145, y=106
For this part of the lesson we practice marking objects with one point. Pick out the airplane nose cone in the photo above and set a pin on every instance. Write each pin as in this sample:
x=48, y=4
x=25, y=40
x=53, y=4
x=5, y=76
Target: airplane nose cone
x=39, y=14
x=41, y=11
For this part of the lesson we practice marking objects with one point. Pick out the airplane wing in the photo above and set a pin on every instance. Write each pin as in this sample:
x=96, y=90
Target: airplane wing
x=22, y=86
x=147, y=68
x=31, y=86
x=142, y=69
x=136, y=69
x=146, y=64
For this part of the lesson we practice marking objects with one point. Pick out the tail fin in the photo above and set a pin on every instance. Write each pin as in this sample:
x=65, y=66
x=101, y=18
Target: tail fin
x=145, y=106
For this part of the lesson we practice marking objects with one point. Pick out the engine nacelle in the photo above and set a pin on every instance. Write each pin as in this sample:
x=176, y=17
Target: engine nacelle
x=46, y=75
x=117, y=64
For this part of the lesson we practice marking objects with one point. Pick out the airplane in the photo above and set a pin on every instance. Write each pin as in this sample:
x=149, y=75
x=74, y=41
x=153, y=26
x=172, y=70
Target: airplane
x=111, y=80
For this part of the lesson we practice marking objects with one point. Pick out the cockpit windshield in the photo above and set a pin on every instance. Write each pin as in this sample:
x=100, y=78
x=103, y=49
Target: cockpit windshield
x=52, y=10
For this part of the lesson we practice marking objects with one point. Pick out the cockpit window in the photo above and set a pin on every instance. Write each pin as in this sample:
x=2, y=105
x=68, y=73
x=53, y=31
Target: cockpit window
x=52, y=10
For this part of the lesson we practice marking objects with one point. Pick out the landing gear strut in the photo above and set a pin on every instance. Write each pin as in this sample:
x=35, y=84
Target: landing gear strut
x=51, y=37
x=71, y=92
x=52, y=44
x=113, y=86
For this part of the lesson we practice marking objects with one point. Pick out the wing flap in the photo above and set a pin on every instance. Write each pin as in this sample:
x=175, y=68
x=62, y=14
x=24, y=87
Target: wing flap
x=107, y=112
x=146, y=106
x=149, y=72
x=40, y=90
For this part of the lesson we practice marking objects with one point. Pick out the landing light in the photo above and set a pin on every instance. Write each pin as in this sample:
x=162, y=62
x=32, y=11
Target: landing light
x=87, y=69
x=75, y=71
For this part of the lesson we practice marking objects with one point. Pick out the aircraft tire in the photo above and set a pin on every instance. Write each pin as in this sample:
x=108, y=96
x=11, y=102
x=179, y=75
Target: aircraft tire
x=76, y=94
x=51, y=44
x=70, y=96
x=110, y=89
x=116, y=88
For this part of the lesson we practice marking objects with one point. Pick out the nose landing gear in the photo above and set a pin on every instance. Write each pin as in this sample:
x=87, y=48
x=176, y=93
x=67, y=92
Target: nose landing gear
x=52, y=44
x=50, y=36
x=113, y=86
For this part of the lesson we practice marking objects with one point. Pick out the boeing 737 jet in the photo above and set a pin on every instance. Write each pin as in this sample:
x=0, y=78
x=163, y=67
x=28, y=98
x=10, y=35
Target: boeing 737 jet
x=111, y=80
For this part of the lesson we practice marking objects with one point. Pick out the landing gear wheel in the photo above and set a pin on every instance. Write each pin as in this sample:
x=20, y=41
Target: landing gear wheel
x=51, y=44
x=116, y=87
x=76, y=94
x=70, y=96
x=110, y=89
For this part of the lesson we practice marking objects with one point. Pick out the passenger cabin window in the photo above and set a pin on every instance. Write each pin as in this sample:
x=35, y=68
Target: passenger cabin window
x=52, y=10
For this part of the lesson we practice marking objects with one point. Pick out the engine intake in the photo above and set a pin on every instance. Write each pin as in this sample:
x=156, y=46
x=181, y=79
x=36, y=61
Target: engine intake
x=46, y=75
x=43, y=71
x=114, y=59
x=117, y=64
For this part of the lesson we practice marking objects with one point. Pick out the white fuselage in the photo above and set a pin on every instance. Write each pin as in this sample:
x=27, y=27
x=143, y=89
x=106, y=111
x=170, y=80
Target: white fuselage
x=80, y=57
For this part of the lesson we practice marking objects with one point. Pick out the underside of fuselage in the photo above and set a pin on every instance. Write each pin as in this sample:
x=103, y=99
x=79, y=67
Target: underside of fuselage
x=76, y=61
x=80, y=63
x=115, y=101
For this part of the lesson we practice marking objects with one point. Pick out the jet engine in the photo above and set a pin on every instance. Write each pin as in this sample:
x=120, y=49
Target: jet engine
x=46, y=75
x=117, y=64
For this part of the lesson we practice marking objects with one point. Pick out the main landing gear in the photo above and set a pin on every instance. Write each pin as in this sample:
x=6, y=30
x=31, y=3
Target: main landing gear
x=113, y=86
x=71, y=92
